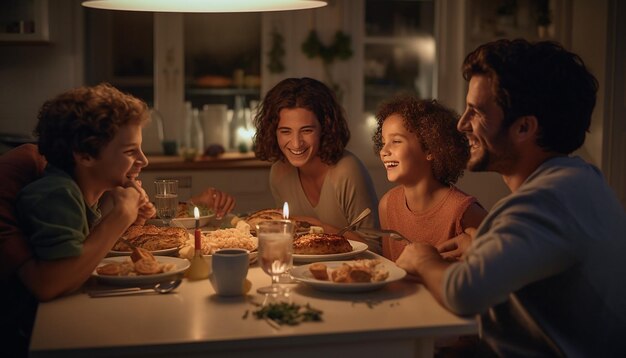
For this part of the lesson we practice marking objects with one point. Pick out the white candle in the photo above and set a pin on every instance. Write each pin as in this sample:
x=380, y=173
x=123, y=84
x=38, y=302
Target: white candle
x=196, y=214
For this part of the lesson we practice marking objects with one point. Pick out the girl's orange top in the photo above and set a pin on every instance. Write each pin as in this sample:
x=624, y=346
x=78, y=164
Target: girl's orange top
x=433, y=226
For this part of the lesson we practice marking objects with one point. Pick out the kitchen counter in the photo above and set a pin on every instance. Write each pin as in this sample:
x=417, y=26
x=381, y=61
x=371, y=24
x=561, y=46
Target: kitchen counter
x=228, y=160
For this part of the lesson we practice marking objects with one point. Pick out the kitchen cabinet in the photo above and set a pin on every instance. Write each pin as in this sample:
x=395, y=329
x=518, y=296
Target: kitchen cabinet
x=398, y=55
x=220, y=55
x=533, y=20
x=119, y=49
x=24, y=21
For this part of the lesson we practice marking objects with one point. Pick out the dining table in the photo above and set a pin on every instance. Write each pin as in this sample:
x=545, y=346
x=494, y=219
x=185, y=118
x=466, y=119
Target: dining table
x=399, y=319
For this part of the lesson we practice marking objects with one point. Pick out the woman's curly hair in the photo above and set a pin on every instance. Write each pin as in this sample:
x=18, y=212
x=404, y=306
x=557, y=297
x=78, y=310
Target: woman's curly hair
x=435, y=128
x=84, y=120
x=309, y=94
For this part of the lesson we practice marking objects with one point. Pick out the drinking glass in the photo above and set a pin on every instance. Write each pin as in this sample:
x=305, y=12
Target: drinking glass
x=166, y=199
x=275, y=251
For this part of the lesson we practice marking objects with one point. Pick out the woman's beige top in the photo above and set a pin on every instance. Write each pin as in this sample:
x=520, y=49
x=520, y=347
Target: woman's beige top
x=346, y=192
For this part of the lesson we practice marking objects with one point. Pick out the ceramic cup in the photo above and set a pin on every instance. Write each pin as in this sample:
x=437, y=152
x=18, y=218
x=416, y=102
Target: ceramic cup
x=230, y=268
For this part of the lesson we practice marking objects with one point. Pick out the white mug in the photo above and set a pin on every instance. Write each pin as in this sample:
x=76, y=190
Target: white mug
x=230, y=268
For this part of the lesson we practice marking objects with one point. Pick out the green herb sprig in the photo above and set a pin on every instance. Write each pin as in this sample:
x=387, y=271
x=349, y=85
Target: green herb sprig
x=290, y=314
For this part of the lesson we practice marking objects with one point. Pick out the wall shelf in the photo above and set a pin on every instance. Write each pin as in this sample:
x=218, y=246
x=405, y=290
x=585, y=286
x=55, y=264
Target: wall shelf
x=24, y=21
x=227, y=91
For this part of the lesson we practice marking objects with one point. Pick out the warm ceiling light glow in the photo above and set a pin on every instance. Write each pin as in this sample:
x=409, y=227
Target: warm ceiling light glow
x=204, y=5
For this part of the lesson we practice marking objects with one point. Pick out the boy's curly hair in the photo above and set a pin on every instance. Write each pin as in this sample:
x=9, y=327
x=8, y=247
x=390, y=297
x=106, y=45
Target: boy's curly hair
x=435, y=128
x=309, y=94
x=84, y=120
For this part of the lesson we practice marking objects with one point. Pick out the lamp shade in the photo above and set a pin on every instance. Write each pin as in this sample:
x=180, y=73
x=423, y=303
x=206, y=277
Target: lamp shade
x=202, y=6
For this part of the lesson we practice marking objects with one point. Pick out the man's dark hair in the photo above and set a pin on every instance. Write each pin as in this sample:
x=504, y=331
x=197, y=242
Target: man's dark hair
x=539, y=79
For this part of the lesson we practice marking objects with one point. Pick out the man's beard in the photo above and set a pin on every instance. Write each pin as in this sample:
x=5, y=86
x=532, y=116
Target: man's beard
x=481, y=164
x=495, y=160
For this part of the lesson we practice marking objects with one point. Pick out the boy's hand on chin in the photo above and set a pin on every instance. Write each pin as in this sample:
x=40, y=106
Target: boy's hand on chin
x=147, y=210
x=128, y=201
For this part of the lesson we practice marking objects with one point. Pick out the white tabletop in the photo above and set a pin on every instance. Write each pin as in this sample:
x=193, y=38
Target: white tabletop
x=193, y=320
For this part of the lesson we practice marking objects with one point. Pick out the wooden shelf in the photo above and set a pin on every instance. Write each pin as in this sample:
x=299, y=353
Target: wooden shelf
x=228, y=160
x=224, y=91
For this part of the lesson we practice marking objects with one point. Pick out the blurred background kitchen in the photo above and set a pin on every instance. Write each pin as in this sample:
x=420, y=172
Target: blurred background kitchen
x=203, y=74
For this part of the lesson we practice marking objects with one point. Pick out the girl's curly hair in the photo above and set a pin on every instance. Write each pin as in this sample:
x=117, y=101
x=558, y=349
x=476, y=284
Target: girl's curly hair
x=309, y=94
x=435, y=128
x=84, y=120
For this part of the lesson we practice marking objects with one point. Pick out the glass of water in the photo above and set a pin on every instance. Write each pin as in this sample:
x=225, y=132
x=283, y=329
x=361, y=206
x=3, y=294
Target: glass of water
x=166, y=199
x=275, y=251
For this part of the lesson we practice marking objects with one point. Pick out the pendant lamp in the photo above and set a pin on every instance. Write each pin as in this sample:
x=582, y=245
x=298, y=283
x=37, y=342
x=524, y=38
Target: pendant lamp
x=204, y=6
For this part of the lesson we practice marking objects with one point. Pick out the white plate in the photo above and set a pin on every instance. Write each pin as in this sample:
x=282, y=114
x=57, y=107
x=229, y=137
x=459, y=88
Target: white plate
x=357, y=248
x=181, y=266
x=302, y=274
x=165, y=252
x=187, y=223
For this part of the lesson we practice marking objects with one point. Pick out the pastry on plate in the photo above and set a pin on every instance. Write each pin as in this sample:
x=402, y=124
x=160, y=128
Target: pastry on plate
x=268, y=215
x=152, y=237
x=320, y=244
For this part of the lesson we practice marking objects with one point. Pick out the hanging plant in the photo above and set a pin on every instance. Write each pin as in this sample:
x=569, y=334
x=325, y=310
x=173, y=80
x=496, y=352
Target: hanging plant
x=276, y=53
x=339, y=49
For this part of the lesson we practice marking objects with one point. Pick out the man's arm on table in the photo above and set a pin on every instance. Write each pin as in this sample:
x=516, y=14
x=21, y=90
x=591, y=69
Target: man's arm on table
x=424, y=262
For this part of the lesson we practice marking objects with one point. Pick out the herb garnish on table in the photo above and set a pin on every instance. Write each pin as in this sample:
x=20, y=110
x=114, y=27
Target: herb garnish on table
x=290, y=314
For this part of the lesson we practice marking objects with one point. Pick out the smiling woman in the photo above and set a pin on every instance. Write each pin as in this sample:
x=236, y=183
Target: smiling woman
x=302, y=129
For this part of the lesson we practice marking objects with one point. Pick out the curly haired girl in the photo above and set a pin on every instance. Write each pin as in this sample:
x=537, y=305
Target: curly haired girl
x=425, y=155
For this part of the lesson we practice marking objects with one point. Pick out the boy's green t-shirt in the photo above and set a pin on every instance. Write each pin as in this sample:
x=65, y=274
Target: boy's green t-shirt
x=53, y=214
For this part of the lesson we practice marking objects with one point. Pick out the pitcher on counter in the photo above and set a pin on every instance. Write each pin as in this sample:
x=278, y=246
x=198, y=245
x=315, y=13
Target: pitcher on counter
x=301, y=127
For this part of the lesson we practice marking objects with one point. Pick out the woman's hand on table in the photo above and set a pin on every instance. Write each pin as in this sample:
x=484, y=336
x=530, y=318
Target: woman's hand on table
x=221, y=202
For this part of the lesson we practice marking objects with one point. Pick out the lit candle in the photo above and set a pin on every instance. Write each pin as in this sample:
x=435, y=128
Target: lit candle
x=197, y=235
x=199, y=268
x=286, y=211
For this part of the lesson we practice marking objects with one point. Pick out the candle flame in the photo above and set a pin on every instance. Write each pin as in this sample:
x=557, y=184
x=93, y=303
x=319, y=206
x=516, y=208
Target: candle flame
x=286, y=211
x=196, y=213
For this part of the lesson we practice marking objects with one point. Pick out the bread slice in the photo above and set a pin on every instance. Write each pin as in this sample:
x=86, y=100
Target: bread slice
x=319, y=271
